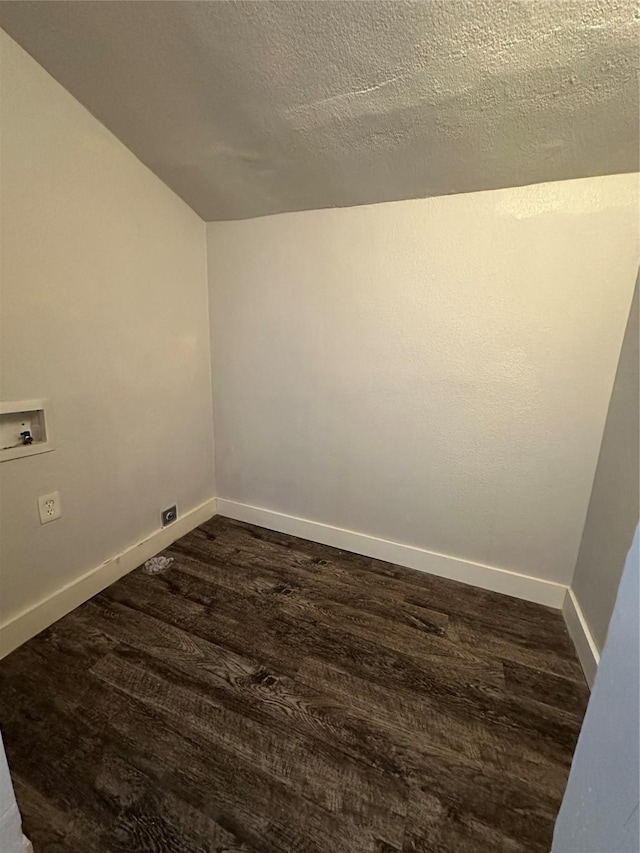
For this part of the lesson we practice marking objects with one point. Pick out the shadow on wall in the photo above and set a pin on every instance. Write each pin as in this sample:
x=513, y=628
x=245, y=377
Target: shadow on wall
x=614, y=505
x=599, y=812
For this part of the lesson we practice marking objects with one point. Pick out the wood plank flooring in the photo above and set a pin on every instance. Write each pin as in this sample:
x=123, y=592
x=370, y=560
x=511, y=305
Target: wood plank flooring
x=269, y=694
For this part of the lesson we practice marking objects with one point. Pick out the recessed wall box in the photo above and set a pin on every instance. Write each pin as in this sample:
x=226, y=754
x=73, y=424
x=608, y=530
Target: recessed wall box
x=25, y=429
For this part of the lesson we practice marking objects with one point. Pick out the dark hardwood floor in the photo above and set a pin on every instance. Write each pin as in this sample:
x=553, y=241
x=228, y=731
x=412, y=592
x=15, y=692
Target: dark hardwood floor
x=269, y=694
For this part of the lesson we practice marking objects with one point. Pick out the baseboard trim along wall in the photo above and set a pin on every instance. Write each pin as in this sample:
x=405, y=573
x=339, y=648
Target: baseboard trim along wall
x=39, y=616
x=585, y=645
x=485, y=577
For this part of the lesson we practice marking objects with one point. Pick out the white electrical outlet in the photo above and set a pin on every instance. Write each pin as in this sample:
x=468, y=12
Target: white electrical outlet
x=49, y=507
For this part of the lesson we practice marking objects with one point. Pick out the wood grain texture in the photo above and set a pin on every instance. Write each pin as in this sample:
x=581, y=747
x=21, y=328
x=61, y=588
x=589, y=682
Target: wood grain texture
x=266, y=694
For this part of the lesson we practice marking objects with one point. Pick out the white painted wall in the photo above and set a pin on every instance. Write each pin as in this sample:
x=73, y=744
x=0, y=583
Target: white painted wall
x=599, y=812
x=11, y=838
x=614, y=507
x=105, y=312
x=432, y=372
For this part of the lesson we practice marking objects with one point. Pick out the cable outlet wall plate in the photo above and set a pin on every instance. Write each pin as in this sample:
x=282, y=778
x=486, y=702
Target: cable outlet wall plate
x=169, y=515
x=49, y=507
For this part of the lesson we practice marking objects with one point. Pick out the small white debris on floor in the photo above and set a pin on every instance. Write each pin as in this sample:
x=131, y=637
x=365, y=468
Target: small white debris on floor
x=157, y=564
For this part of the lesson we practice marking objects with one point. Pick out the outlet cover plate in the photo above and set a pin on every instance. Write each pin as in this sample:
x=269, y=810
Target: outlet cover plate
x=49, y=507
x=169, y=515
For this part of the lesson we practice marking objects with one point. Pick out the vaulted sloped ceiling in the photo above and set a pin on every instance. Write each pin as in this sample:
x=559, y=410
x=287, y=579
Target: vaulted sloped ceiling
x=251, y=108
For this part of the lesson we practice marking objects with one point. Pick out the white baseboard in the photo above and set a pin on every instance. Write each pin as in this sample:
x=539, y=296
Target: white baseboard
x=485, y=577
x=586, y=647
x=39, y=616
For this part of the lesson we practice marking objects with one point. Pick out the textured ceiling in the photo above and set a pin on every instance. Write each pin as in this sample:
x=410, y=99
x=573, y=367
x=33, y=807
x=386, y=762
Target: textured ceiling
x=250, y=108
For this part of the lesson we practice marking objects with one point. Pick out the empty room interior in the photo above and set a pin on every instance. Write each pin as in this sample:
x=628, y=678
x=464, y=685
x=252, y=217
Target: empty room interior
x=319, y=470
